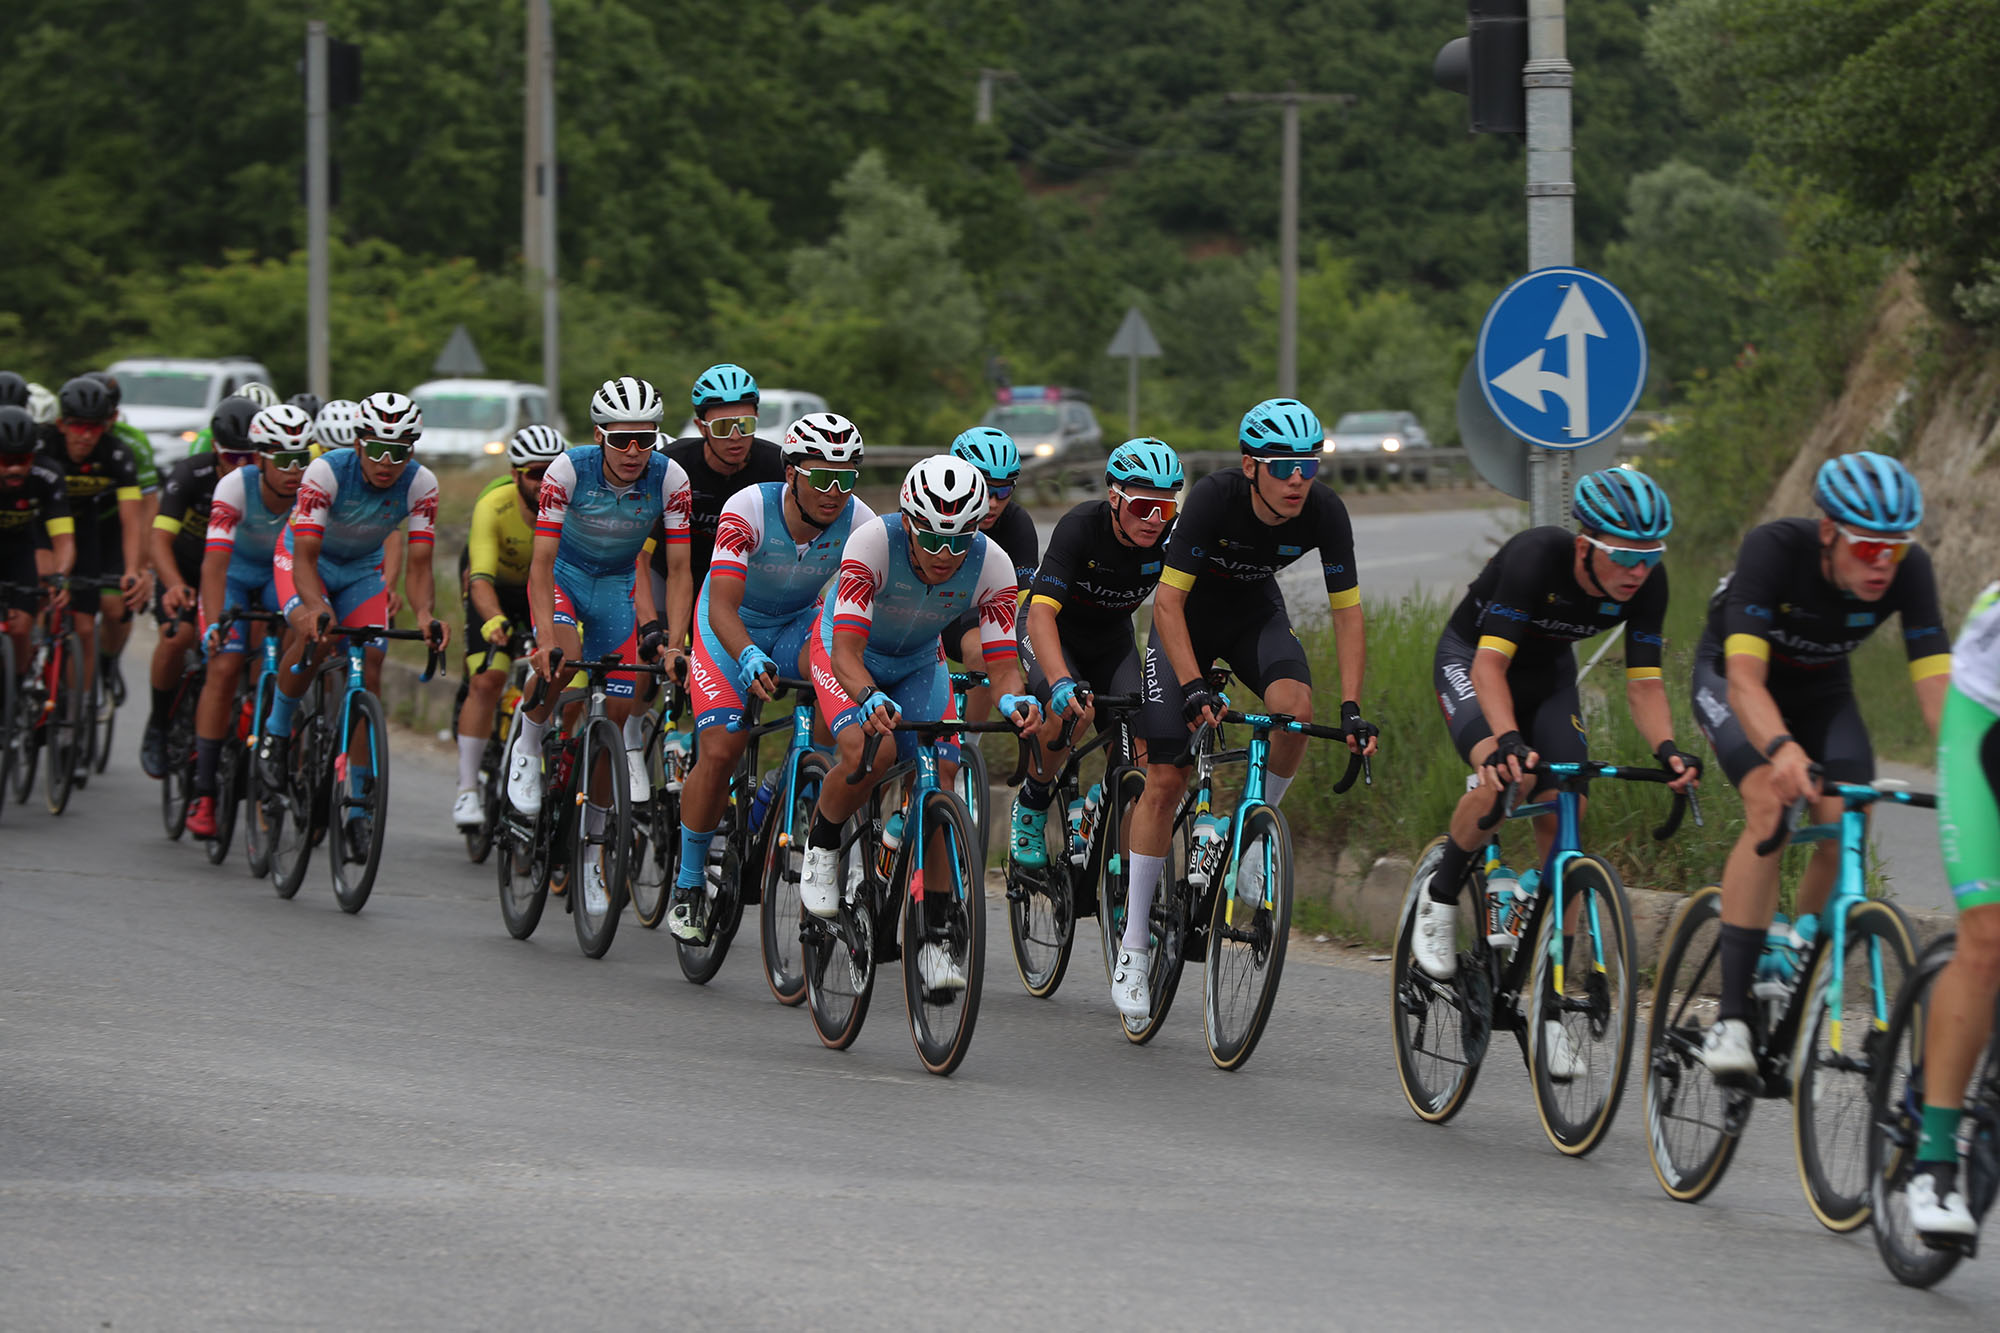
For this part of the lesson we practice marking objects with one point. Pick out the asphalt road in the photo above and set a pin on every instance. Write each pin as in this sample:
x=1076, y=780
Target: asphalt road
x=220, y=1110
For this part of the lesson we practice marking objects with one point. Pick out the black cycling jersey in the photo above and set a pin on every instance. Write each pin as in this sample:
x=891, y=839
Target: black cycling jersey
x=34, y=507
x=1528, y=604
x=1015, y=531
x=1220, y=546
x=1779, y=605
x=712, y=490
x=108, y=474
x=1093, y=580
x=184, y=505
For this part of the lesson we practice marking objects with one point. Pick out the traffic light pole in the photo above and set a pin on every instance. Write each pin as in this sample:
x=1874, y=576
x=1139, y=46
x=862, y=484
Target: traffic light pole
x=1548, y=77
x=319, y=374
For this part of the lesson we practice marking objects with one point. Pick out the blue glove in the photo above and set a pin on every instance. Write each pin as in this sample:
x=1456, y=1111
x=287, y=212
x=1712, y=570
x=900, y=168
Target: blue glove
x=879, y=700
x=753, y=662
x=1061, y=695
x=1011, y=704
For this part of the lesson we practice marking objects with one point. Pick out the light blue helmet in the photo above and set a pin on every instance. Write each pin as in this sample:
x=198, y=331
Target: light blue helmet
x=990, y=450
x=1869, y=491
x=1278, y=427
x=724, y=383
x=1622, y=502
x=1145, y=462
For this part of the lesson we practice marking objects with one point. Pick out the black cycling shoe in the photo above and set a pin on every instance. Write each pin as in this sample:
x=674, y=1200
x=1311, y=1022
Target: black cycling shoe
x=114, y=680
x=153, y=751
x=687, y=914
x=273, y=766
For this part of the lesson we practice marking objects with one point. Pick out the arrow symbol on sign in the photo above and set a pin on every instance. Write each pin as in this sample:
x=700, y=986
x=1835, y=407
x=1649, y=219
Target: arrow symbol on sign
x=1575, y=323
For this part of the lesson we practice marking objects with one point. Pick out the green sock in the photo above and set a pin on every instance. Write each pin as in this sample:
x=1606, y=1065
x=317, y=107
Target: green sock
x=1939, y=1140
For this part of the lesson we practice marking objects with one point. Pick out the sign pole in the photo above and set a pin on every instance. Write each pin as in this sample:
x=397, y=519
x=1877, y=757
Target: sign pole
x=319, y=373
x=1133, y=340
x=1551, y=193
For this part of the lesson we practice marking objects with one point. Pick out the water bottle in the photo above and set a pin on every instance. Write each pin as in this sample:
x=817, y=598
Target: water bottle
x=1211, y=840
x=1083, y=823
x=674, y=752
x=892, y=839
x=1783, y=958
x=760, y=804
x=1507, y=899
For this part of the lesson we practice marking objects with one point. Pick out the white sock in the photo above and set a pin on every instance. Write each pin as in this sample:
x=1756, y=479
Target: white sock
x=530, y=739
x=471, y=749
x=1146, y=871
x=1275, y=787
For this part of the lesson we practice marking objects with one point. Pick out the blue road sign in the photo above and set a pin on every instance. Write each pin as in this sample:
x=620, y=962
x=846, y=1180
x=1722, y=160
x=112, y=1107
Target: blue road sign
x=1562, y=358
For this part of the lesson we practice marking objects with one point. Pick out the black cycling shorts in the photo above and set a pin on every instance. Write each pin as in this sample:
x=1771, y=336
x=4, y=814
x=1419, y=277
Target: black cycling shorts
x=1825, y=721
x=1107, y=667
x=94, y=559
x=17, y=567
x=954, y=638
x=1260, y=646
x=1546, y=707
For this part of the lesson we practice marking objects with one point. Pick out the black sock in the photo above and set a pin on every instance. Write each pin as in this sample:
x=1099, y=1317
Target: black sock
x=825, y=833
x=1449, y=881
x=1036, y=794
x=207, y=754
x=1741, y=947
x=163, y=703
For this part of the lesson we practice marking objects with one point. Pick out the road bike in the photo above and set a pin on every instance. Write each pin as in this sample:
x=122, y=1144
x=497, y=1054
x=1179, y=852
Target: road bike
x=177, y=782
x=51, y=706
x=493, y=759
x=239, y=785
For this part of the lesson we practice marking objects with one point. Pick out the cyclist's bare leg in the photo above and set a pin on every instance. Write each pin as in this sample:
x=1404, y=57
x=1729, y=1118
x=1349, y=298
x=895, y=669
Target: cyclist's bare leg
x=1961, y=1006
x=837, y=799
x=1288, y=748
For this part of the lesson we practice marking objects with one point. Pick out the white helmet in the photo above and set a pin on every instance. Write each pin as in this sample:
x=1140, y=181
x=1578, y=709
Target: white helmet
x=337, y=423
x=535, y=444
x=261, y=394
x=42, y=404
x=390, y=418
x=280, y=429
x=826, y=436
x=945, y=494
x=627, y=398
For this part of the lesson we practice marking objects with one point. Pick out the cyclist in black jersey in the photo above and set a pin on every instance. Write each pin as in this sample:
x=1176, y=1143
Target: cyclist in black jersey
x=1104, y=559
x=36, y=529
x=1773, y=693
x=1008, y=526
x=1505, y=675
x=1219, y=599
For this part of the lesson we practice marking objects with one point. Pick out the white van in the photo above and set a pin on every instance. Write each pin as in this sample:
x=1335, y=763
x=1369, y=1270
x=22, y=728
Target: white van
x=468, y=420
x=171, y=398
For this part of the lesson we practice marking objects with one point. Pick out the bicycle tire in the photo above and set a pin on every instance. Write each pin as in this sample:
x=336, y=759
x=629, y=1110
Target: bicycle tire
x=67, y=728
x=655, y=836
x=297, y=806
x=177, y=783
x=1041, y=915
x=1599, y=1006
x=492, y=765
x=1895, y=1101
x=228, y=792
x=594, y=932
x=700, y=962
x=972, y=786
x=1175, y=905
x=839, y=956
x=1246, y=954
x=1830, y=1085
x=359, y=820
x=25, y=738
x=780, y=916
x=259, y=830
x=9, y=723
x=103, y=726
x=942, y=1022
x=1441, y=1029
x=1677, y=1083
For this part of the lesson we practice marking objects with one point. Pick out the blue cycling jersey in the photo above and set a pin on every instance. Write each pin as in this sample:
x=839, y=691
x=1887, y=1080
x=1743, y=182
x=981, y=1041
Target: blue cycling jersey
x=352, y=518
x=240, y=521
x=603, y=527
x=880, y=595
x=780, y=577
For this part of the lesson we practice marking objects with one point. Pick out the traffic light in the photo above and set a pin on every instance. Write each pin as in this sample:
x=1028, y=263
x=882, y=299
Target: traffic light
x=1486, y=65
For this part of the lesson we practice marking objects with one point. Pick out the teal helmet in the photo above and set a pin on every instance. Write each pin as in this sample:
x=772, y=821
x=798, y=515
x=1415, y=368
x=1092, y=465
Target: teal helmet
x=1869, y=491
x=1145, y=462
x=1623, y=502
x=1280, y=427
x=726, y=382
x=990, y=450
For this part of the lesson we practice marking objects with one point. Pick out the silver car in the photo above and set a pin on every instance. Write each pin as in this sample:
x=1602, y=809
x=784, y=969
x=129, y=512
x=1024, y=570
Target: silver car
x=1048, y=425
x=1366, y=443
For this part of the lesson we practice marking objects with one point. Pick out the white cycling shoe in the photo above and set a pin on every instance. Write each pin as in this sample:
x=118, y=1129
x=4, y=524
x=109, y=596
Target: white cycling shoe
x=1931, y=1215
x=524, y=781
x=1565, y=1061
x=1729, y=1054
x=819, y=882
x=938, y=970
x=596, y=901
x=1129, y=988
x=466, y=812
x=1434, y=937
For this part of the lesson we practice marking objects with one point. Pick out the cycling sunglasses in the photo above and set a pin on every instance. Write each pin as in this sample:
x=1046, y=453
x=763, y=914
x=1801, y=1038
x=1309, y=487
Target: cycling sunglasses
x=628, y=441
x=1629, y=558
x=722, y=428
x=534, y=474
x=387, y=451
x=832, y=478
x=1000, y=488
x=287, y=460
x=1146, y=508
x=1870, y=550
x=939, y=543
x=231, y=459
x=1284, y=469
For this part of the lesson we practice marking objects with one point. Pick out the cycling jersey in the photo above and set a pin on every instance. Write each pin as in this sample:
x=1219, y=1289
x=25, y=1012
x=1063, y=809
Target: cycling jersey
x=1014, y=532
x=35, y=505
x=1969, y=759
x=353, y=519
x=141, y=446
x=1220, y=546
x=501, y=543
x=602, y=527
x=879, y=595
x=1975, y=658
x=710, y=491
x=107, y=475
x=1528, y=606
x=184, y=512
x=241, y=523
x=1091, y=579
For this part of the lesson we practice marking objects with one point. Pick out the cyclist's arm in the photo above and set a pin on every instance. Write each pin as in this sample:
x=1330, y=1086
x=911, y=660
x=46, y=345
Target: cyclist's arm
x=420, y=579
x=482, y=560
x=1042, y=632
x=1170, y=620
x=305, y=573
x=1924, y=635
x=1489, y=684
x=542, y=587
x=848, y=667
x=62, y=553
x=1198, y=529
x=308, y=524
x=738, y=533
x=863, y=562
x=1335, y=533
x=161, y=537
x=1645, y=689
x=485, y=602
x=1350, y=643
x=725, y=618
x=393, y=559
x=214, y=581
x=421, y=582
x=677, y=525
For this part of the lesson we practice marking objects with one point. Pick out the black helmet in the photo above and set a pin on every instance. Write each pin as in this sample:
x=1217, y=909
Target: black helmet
x=86, y=399
x=13, y=390
x=18, y=431
x=230, y=426
x=311, y=402
x=109, y=381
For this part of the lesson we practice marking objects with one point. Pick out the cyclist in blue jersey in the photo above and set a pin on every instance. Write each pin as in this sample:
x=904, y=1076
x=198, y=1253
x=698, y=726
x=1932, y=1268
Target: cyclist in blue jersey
x=246, y=516
x=877, y=654
x=598, y=502
x=328, y=560
x=1006, y=524
x=777, y=543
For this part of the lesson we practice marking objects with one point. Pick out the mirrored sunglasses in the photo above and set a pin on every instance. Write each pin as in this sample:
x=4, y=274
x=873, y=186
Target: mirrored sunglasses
x=627, y=441
x=722, y=428
x=832, y=478
x=1146, y=508
x=287, y=460
x=1629, y=558
x=1870, y=549
x=387, y=451
x=939, y=543
x=231, y=459
x=1284, y=469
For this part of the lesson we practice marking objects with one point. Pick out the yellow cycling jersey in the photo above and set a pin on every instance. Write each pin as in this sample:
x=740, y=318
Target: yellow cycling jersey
x=501, y=543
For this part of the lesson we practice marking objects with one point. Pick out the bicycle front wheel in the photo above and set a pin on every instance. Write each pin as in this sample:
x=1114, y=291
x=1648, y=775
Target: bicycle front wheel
x=609, y=846
x=1041, y=922
x=780, y=916
x=103, y=723
x=839, y=955
x=944, y=934
x=1580, y=1029
x=296, y=808
x=656, y=827
x=971, y=787
x=9, y=723
x=700, y=962
x=1247, y=934
x=1441, y=1028
x=1693, y=1123
x=228, y=792
x=360, y=803
x=1834, y=1062
x=177, y=786
x=68, y=728
x=260, y=806
x=492, y=791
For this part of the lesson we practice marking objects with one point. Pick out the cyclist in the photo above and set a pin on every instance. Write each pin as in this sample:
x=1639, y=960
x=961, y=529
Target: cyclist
x=877, y=654
x=1006, y=523
x=1505, y=677
x=498, y=551
x=14, y=391
x=776, y=546
x=335, y=425
x=42, y=405
x=180, y=535
x=34, y=510
x=1773, y=694
x=328, y=560
x=1103, y=561
x=246, y=516
x=260, y=395
x=1962, y=998
x=137, y=441
x=597, y=504
x=308, y=402
x=1219, y=598
x=103, y=481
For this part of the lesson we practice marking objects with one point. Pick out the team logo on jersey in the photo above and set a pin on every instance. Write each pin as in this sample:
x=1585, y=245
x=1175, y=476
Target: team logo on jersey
x=857, y=584
x=999, y=610
x=223, y=518
x=1289, y=550
x=1859, y=619
x=426, y=509
x=1608, y=608
x=733, y=536
x=555, y=497
x=681, y=504
x=312, y=499
x=1152, y=567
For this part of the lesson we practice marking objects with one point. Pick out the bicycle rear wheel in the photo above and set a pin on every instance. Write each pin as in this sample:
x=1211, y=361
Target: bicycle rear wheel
x=944, y=912
x=24, y=736
x=656, y=827
x=779, y=918
x=1041, y=918
x=296, y=808
x=228, y=792
x=1172, y=917
x=972, y=790
x=1246, y=940
x=492, y=766
x=68, y=728
x=259, y=823
x=839, y=955
x=1441, y=1028
x=1693, y=1123
x=600, y=744
x=177, y=785
x=1834, y=1062
x=359, y=810
x=103, y=724
x=1593, y=1008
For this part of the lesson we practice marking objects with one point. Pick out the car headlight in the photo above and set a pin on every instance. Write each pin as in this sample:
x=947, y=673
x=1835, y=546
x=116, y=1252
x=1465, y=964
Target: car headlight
x=495, y=447
x=1391, y=446
x=1326, y=448
x=1045, y=451
x=189, y=436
